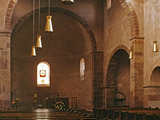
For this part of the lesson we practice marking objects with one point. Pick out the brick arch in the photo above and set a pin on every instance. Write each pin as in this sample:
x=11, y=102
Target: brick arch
x=110, y=76
x=62, y=11
x=9, y=12
x=121, y=47
x=132, y=16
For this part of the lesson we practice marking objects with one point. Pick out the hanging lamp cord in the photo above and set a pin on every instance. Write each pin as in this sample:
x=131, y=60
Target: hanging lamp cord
x=39, y=16
x=33, y=18
x=49, y=2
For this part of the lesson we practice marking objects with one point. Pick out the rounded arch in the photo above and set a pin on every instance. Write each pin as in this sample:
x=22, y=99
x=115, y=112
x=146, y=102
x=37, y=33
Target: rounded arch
x=118, y=76
x=155, y=75
x=120, y=98
x=45, y=62
x=150, y=72
x=62, y=11
x=121, y=47
x=132, y=16
x=43, y=74
x=152, y=90
x=9, y=12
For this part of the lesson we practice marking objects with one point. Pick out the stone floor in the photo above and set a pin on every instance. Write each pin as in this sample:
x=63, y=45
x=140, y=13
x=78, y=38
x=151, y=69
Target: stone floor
x=39, y=114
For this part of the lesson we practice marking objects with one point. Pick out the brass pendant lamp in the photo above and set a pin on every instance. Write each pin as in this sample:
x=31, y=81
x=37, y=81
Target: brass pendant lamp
x=39, y=42
x=48, y=27
x=33, y=52
x=155, y=47
x=67, y=1
x=130, y=54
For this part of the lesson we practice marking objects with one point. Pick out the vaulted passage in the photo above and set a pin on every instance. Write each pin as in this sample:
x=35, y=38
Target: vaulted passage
x=118, y=78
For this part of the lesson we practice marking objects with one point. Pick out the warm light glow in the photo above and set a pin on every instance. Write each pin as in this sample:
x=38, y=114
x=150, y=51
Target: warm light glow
x=67, y=1
x=83, y=66
x=82, y=69
x=131, y=54
x=155, y=47
x=108, y=4
x=43, y=74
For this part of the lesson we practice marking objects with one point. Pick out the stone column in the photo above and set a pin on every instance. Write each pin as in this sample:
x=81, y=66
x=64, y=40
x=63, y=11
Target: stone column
x=136, y=72
x=98, y=91
x=5, y=70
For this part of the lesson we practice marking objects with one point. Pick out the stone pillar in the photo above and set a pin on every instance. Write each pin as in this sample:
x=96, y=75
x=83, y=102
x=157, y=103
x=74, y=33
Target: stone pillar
x=136, y=73
x=98, y=91
x=5, y=70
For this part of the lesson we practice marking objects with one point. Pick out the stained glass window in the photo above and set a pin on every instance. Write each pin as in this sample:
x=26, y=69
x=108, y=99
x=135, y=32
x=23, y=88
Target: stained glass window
x=43, y=74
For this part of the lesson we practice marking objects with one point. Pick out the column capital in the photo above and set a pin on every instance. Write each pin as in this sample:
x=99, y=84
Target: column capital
x=97, y=52
x=135, y=38
x=149, y=86
x=5, y=32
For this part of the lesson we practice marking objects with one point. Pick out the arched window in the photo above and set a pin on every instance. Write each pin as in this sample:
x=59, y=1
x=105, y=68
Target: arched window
x=108, y=4
x=82, y=69
x=43, y=74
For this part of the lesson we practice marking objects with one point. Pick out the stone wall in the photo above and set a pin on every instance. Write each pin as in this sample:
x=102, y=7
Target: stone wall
x=5, y=70
x=63, y=50
x=97, y=82
x=4, y=58
x=8, y=20
x=151, y=60
x=89, y=10
x=123, y=26
x=3, y=9
x=116, y=34
x=113, y=28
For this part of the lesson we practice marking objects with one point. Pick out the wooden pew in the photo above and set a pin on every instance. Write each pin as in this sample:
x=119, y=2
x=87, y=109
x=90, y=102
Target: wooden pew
x=128, y=113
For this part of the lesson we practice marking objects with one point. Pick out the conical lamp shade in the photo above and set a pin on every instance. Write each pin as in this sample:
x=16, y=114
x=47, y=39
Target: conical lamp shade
x=130, y=54
x=155, y=48
x=48, y=27
x=39, y=42
x=33, y=52
x=67, y=1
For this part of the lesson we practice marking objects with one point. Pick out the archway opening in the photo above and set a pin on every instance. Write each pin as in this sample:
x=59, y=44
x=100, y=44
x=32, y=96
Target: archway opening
x=62, y=49
x=118, y=80
x=152, y=91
